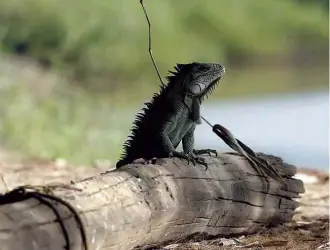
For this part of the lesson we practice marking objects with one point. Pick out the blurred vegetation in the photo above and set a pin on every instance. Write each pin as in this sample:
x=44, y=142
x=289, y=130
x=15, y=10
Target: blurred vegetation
x=42, y=116
x=104, y=43
x=99, y=48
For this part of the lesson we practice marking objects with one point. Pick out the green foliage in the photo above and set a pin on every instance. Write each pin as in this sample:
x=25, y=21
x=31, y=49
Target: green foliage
x=106, y=41
x=60, y=122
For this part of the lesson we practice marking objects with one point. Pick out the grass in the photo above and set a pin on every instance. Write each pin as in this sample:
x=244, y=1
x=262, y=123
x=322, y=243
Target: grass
x=41, y=118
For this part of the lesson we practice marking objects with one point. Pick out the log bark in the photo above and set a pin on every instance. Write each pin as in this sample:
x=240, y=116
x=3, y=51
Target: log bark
x=140, y=205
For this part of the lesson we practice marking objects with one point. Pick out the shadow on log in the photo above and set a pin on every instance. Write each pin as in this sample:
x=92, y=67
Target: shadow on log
x=141, y=205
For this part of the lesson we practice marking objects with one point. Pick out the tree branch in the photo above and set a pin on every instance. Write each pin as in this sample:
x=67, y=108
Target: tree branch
x=140, y=205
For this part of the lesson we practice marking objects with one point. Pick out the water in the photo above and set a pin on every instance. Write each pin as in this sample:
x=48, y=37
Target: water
x=294, y=127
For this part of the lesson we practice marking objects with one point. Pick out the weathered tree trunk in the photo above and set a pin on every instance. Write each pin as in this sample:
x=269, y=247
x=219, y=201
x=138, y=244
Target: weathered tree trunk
x=141, y=205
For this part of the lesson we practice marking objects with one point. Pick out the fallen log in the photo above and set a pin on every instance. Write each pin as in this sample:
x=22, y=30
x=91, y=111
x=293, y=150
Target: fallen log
x=141, y=205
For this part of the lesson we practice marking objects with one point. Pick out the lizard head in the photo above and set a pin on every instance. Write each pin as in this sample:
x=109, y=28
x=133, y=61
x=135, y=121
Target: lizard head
x=199, y=79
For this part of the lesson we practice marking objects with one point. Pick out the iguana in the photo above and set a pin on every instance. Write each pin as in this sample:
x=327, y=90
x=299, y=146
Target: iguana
x=172, y=115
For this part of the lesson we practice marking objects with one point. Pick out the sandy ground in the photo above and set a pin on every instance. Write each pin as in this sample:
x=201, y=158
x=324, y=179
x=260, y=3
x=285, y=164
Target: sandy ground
x=308, y=230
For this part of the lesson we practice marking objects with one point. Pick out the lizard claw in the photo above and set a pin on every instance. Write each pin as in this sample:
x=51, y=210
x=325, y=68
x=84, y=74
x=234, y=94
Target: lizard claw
x=181, y=156
x=183, y=159
x=199, y=160
x=191, y=158
x=205, y=151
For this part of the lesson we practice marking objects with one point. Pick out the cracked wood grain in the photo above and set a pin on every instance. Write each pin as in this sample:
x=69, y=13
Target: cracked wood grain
x=141, y=205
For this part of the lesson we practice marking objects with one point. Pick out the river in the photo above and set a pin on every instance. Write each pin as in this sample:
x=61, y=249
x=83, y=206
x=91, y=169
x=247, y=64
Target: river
x=292, y=126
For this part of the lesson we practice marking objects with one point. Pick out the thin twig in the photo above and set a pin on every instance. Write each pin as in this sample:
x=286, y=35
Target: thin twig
x=150, y=50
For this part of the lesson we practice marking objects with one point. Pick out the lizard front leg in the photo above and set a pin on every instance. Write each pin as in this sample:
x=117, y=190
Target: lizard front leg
x=196, y=117
x=169, y=148
x=188, y=146
x=167, y=144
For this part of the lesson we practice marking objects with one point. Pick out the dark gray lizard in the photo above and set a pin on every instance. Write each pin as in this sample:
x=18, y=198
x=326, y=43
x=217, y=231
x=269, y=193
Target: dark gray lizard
x=176, y=112
x=172, y=115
